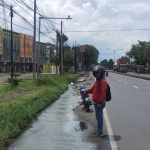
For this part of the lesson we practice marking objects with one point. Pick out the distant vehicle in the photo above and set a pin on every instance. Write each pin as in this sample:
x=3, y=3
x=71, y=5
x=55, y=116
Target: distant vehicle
x=139, y=69
x=114, y=67
x=106, y=73
x=122, y=65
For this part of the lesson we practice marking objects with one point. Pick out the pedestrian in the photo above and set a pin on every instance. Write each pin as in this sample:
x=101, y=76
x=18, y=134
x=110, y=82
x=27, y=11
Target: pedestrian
x=98, y=91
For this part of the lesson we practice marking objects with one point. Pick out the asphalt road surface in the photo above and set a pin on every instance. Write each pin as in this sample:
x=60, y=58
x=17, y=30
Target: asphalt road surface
x=129, y=112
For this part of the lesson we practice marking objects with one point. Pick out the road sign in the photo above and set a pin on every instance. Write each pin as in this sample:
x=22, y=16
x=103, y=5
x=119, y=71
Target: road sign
x=82, y=48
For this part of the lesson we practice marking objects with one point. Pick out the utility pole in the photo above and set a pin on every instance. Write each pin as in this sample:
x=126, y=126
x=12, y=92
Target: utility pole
x=60, y=40
x=34, y=42
x=57, y=38
x=38, y=50
x=11, y=15
x=61, y=52
x=76, y=63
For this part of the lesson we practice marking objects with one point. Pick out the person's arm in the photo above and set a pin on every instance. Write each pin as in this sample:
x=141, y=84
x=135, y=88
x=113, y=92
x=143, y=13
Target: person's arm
x=90, y=91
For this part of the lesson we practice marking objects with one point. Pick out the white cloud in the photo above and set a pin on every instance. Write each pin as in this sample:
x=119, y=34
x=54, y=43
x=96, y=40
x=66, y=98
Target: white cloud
x=99, y=15
x=137, y=8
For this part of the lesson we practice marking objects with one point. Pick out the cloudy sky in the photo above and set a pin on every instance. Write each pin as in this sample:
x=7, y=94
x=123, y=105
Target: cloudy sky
x=102, y=23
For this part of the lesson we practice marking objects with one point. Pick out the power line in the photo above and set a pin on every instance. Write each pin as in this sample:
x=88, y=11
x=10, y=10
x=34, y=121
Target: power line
x=24, y=19
x=113, y=30
x=17, y=25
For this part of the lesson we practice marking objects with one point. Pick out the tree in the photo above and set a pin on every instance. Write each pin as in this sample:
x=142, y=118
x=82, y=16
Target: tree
x=68, y=56
x=104, y=63
x=140, y=53
x=90, y=55
x=110, y=64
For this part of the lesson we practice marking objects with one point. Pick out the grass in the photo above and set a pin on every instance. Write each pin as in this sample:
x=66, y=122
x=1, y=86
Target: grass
x=16, y=115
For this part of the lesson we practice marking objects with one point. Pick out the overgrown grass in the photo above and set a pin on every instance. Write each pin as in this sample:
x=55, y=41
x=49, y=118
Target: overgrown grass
x=17, y=114
x=5, y=90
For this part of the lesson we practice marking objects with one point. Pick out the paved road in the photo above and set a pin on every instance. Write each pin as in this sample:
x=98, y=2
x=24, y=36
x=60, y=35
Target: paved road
x=143, y=76
x=129, y=112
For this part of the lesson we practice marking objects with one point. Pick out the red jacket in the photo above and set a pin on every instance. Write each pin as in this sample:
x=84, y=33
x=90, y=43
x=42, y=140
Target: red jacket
x=98, y=91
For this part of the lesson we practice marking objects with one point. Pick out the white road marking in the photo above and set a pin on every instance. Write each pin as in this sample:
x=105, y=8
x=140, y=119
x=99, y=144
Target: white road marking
x=119, y=80
x=125, y=82
x=114, y=78
x=135, y=87
x=148, y=93
x=113, y=143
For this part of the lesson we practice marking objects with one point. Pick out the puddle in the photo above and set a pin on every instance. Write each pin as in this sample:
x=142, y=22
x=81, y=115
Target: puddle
x=57, y=128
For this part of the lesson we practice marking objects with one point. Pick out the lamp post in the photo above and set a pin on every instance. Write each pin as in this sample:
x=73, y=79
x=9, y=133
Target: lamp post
x=61, y=52
x=114, y=52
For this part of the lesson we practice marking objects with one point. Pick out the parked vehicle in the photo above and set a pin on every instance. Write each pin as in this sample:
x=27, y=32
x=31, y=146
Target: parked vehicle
x=106, y=73
x=140, y=69
x=86, y=102
x=122, y=65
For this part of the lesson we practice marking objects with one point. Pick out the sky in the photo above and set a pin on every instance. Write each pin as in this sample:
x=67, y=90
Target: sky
x=106, y=24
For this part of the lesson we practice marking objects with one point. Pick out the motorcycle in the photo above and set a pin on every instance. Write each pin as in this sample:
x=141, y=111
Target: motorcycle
x=85, y=99
x=106, y=73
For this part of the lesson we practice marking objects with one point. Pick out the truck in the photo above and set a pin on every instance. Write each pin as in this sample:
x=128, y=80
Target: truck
x=122, y=65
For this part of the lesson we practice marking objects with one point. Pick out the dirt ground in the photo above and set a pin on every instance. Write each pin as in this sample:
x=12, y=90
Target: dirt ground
x=89, y=116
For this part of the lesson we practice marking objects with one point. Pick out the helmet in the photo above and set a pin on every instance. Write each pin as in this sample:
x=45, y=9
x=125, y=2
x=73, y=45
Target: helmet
x=100, y=69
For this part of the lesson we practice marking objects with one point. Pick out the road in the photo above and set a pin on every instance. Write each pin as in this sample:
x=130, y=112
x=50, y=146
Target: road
x=129, y=112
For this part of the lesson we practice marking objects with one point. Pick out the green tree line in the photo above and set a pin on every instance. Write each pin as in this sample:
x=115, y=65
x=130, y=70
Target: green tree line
x=140, y=53
x=89, y=57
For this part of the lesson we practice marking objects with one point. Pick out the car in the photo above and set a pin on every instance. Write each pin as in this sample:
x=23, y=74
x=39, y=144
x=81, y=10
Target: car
x=141, y=69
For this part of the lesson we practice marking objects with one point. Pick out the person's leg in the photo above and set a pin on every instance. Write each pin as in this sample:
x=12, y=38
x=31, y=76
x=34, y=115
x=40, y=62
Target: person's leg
x=99, y=117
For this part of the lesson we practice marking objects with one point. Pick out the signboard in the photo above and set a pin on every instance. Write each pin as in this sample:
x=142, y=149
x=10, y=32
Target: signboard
x=82, y=48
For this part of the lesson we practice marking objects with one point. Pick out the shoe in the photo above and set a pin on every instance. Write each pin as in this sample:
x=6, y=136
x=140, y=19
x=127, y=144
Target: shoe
x=96, y=134
x=101, y=135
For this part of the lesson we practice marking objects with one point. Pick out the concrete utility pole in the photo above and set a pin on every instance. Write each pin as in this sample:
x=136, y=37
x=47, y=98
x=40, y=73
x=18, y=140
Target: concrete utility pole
x=11, y=15
x=61, y=52
x=57, y=38
x=34, y=42
x=38, y=50
x=76, y=57
x=61, y=43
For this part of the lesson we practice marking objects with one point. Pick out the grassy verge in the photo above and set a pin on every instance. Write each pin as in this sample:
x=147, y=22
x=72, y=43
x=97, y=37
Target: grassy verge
x=16, y=115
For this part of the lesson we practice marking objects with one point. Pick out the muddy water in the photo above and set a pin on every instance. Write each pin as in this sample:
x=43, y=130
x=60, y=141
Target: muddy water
x=57, y=129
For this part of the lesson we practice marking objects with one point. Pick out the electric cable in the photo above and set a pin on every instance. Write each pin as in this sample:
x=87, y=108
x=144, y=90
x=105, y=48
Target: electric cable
x=122, y=30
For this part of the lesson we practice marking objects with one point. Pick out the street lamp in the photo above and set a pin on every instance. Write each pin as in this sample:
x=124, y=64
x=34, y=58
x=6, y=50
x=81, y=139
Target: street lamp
x=114, y=52
x=61, y=53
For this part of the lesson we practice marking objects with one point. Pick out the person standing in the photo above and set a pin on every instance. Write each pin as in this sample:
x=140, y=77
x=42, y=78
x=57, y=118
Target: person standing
x=98, y=91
